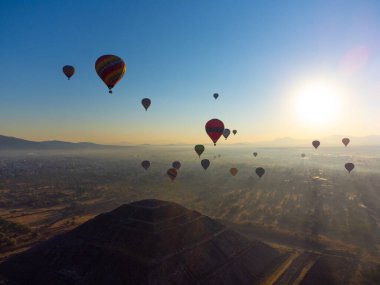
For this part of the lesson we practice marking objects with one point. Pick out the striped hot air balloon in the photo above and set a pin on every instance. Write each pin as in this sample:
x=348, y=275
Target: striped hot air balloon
x=214, y=129
x=110, y=69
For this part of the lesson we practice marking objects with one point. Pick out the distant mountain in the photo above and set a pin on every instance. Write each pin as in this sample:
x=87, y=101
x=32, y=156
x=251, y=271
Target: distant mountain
x=12, y=143
x=145, y=242
x=335, y=140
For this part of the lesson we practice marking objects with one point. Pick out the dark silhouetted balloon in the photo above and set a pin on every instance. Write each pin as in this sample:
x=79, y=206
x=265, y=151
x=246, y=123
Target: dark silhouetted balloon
x=303, y=155
x=260, y=171
x=172, y=173
x=346, y=141
x=145, y=164
x=146, y=103
x=199, y=149
x=234, y=132
x=176, y=165
x=68, y=70
x=233, y=171
x=349, y=166
x=226, y=133
x=216, y=95
x=205, y=163
x=219, y=155
x=110, y=69
x=214, y=129
x=255, y=154
x=316, y=144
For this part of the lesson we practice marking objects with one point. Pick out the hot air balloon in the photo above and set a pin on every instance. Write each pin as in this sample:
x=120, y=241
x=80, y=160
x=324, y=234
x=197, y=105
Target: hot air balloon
x=199, y=149
x=303, y=155
x=146, y=103
x=110, y=69
x=205, y=163
x=226, y=133
x=260, y=171
x=234, y=132
x=346, y=141
x=216, y=95
x=68, y=70
x=172, y=173
x=176, y=165
x=214, y=129
x=316, y=144
x=233, y=171
x=255, y=154
x=145, y=164
x=219, y=155
x=349, y=166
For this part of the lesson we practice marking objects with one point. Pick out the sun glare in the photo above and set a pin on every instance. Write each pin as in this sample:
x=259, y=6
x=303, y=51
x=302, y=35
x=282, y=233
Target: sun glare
x=318, y=103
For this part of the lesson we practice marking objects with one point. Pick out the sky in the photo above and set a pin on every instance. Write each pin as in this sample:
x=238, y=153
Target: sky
x=301, y=69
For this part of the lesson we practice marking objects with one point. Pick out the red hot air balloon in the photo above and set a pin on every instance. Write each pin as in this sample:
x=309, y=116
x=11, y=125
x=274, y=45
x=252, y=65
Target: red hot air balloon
x=68, y=70
x=146, y=103
x=172, y=173
x=214, y=129
x=346, y=141
x=110, y=69
x=349, y=166
x=316, y=144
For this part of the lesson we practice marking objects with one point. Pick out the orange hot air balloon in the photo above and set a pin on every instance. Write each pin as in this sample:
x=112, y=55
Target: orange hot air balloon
x=69, y=71
x=233, y=171
x=316, y=144
x=110, y=69
x=214, y=129
x=346, y=141
x=172, y=173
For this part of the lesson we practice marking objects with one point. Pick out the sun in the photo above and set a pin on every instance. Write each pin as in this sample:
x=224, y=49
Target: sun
x=317, y=102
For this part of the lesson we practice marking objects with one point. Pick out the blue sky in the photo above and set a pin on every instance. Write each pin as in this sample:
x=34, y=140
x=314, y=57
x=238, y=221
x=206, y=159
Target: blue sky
x=178, y=53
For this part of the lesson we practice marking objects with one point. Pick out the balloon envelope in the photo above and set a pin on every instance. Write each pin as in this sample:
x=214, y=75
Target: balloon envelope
x=172, y=173
x=233, y=171
x=316, y=144
x=216, y=95
x=199, y=149
x=110, y=69
x=303, y=155
x=349, y=166
x=205, y=163
x=176, y=165
x=234, y=132
x=260, y=171
x=255, y=154
x=145, y=164
x=146, y=103
x=226, y=133
x=214, y=129
x=346, y=141
x=68, y=70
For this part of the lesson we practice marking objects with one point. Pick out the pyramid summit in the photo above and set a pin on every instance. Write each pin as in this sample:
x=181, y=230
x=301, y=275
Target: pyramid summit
x=144, y=242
